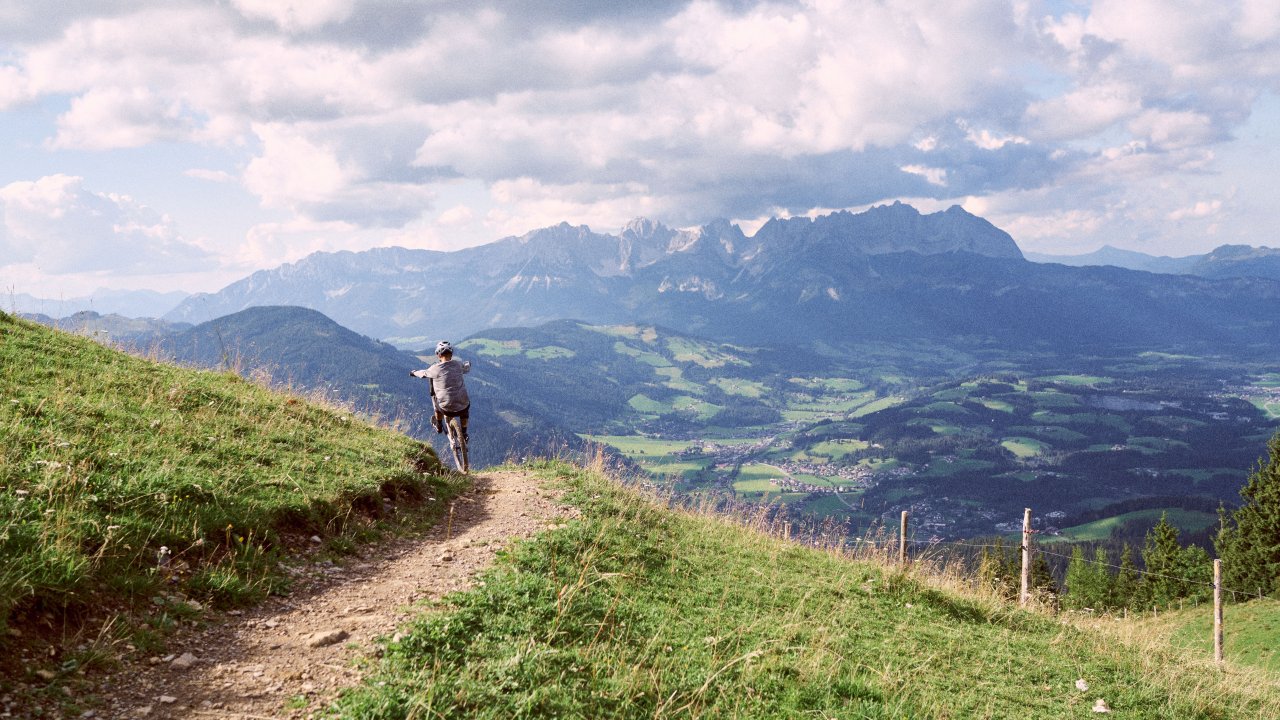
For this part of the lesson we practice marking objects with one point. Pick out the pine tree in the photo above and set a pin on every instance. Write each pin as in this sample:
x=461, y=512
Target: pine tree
x=1250, y=544
x=1042, y=579
x=1124, y=591
x=1103, y=581
x=1077, y=581
x=1089, y=582
x=1163, y=557
x=993, y=570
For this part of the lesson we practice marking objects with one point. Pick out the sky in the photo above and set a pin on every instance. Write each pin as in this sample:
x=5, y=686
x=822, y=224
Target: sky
x=184, y=144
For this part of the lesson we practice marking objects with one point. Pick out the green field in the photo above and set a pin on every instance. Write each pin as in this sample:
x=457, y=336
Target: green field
x=831, y=385
x=634, y=332
x=644, y=404
x=637, y=445
x=998, y=405
x=495, y=348
x=549, y=352
x=941, y=468
x=756, y=486
x=703, y=354
x=644, y=356
x=676, y=381
x=1080, y=380
x=1185, y=520
x=1023, y=447
x=741, y=388
x=877, y=405
x=837, y=449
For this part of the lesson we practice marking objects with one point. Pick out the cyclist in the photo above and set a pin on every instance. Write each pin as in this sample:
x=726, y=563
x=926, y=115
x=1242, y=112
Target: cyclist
x=448, y=392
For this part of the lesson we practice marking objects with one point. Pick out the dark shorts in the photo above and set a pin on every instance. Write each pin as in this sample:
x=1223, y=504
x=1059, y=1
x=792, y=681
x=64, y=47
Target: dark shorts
x=464, y=413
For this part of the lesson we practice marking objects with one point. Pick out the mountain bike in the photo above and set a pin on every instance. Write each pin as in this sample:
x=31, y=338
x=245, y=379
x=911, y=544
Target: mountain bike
x=457, y=441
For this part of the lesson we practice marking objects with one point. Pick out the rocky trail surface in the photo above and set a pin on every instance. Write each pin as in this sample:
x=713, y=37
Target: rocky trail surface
x=290, y=656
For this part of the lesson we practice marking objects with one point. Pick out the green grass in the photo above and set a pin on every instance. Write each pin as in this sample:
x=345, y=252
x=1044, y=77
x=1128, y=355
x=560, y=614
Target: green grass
x=644, y=356
x=644, y=404
x=832, y=385
x=676, y=381
x=836, y=449
x=633, y=445
x=495, y=348
x=104, y=458
x=703, y=354
x=1184, y=520
x=635, y=611
x=549, y=352
x=756, y=486
x=997, y=405
x=1023, y=447
x=635, y=332
x=740, y=387
x=1251, y=632
x=877, y=405
x=1077, y=380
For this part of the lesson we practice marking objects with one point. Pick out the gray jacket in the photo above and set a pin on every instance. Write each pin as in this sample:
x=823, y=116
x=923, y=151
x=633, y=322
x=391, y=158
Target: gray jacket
x=446, y=384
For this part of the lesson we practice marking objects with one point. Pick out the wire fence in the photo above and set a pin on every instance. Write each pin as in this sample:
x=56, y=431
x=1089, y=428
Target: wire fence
x=1235, y=594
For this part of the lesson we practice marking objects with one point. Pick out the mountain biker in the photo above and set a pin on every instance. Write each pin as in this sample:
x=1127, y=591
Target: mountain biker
x=448, y=392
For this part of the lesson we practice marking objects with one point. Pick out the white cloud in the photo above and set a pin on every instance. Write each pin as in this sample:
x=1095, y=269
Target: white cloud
x=217, y=176
x=295, y=15
x=292, y=170
x=456, y=216
x=935, y=176
x=1202, y=209
x=62, y=227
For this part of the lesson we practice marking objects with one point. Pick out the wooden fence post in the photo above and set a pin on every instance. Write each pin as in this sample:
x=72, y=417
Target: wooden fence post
x=1024, y=596
x=902, y=542
x=1217, y=611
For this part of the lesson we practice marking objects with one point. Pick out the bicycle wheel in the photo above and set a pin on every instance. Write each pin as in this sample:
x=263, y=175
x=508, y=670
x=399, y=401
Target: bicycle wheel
x=458, y=441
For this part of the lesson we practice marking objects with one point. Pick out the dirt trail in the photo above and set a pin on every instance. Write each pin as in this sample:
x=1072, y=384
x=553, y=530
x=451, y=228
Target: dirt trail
x=269, y=662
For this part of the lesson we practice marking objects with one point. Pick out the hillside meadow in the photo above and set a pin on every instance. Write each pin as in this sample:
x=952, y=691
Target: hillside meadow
x=640, y=611
x=121, y=477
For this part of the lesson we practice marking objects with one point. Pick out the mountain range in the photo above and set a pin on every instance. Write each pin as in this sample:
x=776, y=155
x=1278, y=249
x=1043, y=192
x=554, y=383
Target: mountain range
x=648, y=271
x=838, y=281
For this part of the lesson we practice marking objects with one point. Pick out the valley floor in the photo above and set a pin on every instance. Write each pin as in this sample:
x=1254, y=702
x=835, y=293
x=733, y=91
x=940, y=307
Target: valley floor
x=290, y=656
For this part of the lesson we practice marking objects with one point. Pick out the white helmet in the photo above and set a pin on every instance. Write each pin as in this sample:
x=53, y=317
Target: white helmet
x=443, y=347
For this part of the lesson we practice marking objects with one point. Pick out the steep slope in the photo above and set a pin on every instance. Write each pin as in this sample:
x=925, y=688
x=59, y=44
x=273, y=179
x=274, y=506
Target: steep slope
x=106, y=458
x=303, y=349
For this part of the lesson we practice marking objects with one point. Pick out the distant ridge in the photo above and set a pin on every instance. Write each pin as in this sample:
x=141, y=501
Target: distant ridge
x=1226, y=261
x=1117, y=257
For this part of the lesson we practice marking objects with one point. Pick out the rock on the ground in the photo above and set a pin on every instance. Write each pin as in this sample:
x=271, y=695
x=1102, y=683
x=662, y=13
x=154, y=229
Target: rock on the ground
x=183, y=661
x=327, y=637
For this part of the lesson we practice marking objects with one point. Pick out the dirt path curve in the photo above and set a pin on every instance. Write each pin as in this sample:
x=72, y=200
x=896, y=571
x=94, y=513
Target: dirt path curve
x=290, y=656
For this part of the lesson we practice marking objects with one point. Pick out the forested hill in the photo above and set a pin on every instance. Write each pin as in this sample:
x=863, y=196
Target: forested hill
x=302, y=349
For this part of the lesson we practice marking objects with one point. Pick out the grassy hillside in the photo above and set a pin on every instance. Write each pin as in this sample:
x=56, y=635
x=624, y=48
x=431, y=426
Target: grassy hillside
x=636, y=611
x=106, y=458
